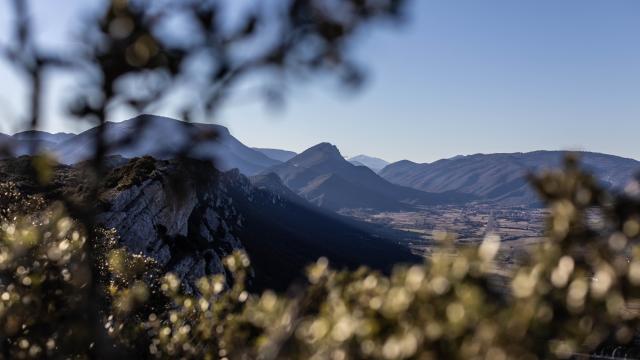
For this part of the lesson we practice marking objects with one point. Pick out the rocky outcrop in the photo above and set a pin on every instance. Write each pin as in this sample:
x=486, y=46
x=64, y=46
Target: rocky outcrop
x=185, y=223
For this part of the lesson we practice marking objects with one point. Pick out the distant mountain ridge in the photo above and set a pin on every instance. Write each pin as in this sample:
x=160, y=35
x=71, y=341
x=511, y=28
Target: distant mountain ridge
x=373, y=163
x=35, y=135
x=277, y=154
x=157, y=136
x=501, y=178
x=26, y=142
x=322, y=176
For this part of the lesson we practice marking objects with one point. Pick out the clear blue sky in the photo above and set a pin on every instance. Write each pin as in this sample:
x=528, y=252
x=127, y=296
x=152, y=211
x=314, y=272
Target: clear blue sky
x=461, y=77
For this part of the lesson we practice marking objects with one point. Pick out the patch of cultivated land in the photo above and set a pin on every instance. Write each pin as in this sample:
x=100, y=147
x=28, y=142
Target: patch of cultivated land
x=519, y=228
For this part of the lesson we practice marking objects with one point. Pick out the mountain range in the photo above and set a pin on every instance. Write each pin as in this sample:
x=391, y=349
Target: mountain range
x=26, y=142
x=502, y=178
x=156, y=136
x=321, y=175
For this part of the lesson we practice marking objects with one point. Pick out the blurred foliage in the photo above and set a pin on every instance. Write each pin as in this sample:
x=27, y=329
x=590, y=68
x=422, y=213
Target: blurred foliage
x=43, y=277
x=578, y=289
x=45, y=300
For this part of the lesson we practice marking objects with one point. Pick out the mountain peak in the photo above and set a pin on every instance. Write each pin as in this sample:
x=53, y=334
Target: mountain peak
x=326, y=148
x=317, y=154
x=156, y=122
x=403, y=164
x=164, y=138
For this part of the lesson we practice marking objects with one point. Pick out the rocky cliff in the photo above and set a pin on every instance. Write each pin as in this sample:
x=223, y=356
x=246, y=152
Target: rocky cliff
x=188, y=216
x=186, y=223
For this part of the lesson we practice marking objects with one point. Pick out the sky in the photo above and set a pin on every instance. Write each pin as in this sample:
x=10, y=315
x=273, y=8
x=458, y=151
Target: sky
x=459, y=77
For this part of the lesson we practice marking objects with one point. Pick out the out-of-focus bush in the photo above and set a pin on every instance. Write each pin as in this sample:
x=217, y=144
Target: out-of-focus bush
x=43, y=279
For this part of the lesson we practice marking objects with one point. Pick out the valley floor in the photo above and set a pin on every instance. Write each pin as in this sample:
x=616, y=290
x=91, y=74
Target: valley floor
x=519, y=228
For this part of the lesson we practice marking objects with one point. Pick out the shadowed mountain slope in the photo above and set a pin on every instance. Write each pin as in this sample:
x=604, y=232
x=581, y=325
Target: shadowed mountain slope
x=283, y=234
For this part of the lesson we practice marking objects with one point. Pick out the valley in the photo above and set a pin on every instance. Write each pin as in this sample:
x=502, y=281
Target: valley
x=518, y=227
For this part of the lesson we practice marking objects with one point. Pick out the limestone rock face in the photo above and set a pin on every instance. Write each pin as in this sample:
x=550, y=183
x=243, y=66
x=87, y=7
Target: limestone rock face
x=186, y=224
